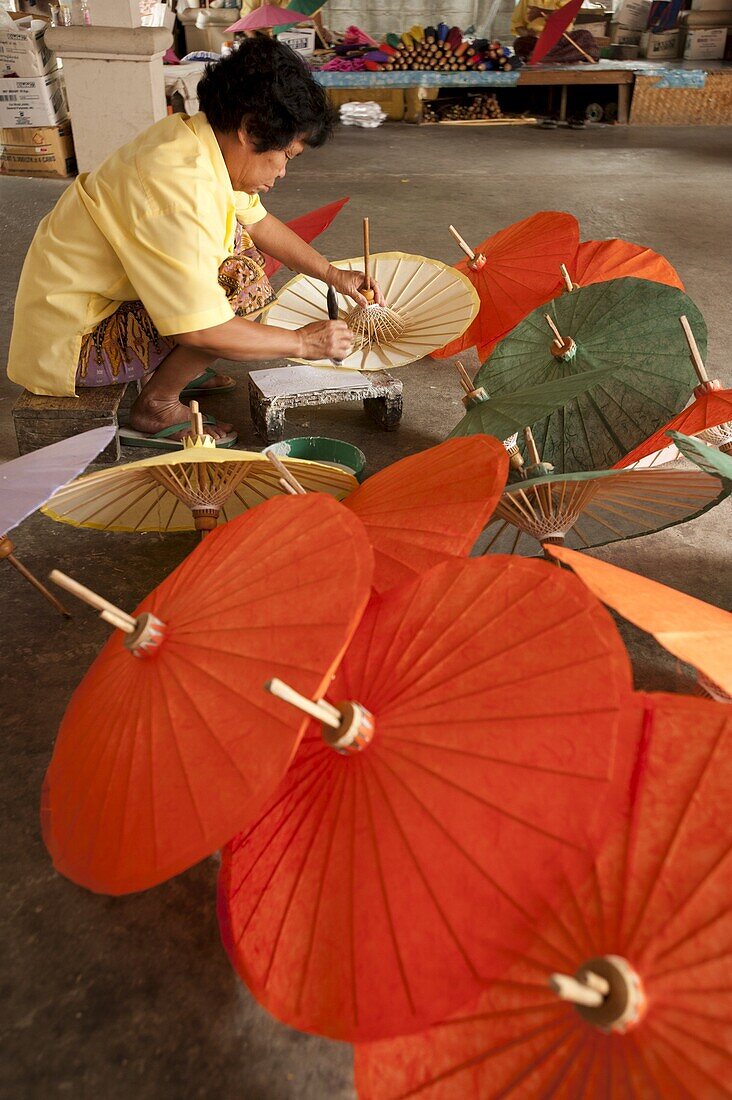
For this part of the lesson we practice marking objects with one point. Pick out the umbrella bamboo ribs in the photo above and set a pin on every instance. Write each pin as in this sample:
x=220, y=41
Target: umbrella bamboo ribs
x=605, y=991
x=372, y=324
x=348, y=728
x=143, y=635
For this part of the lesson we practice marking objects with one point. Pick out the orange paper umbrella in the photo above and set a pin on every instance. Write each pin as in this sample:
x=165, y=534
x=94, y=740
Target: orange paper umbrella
x=514, y=272
x=708, y=416
x=169, y=739
x=692, y=630
x=643, y=949
x=599, y=261
x=429, y=506
x=466, y=750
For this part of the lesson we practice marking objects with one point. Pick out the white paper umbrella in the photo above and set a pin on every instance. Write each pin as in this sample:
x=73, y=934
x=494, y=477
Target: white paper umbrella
x=435, y=302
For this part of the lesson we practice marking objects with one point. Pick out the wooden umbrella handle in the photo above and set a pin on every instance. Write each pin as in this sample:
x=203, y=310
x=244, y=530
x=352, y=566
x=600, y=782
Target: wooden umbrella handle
x=531, y=447
x=696, y=359
x=462, y=243
x=86, y=594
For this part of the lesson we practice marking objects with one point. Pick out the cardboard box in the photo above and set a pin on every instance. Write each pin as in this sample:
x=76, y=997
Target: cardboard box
x=660, y=46
x=303, y=41
x=705, y=44
x=35, y=101
x=633, y=14
x=23, y=51
x=621, y=36
x=44, y=151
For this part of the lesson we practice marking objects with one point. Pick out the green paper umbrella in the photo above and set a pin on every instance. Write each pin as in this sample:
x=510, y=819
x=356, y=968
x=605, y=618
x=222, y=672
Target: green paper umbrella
x=630, y=326
x=704, y=455
x=505, y=415
x=591, y=508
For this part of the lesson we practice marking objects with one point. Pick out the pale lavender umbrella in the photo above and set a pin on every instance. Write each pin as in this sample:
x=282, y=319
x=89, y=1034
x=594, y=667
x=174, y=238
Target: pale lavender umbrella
x=29, y=481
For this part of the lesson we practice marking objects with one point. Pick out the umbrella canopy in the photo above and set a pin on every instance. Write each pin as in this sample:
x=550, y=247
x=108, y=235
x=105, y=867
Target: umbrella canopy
x=434, y=302
x=555, y=26
x=600, y=261
x=692, y=630
x=489, y=694
x=27, y=482
x=591, y=509
x=506, y=415
x=514, y=271
x=630, y=325
x=712, y=461
x=709, y=415
x=185, y=490
x=429, y=506
x=268, y=16
x=654, y=920
x=169, y=742
x=308, y=226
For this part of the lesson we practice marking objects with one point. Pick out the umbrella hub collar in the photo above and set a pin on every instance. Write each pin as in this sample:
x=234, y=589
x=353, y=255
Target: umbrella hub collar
x=199, y=441
x=148, y=634
x=477, y=263
x=605, y=991
x=566, y=351
x=475, y=397
x=355, y=732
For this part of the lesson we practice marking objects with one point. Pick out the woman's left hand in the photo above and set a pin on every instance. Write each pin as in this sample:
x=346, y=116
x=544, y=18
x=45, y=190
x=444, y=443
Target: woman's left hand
x=351, y=284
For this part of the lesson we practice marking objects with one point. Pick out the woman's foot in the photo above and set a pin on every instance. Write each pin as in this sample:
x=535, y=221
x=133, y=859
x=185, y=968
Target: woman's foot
x=150, y=416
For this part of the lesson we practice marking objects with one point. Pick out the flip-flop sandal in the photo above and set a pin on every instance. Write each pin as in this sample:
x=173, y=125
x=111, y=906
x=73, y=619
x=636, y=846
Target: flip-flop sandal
x=196, y=388
x=161, y=440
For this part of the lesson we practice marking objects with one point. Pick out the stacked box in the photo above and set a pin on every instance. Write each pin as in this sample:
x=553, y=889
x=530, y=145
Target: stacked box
x=40, y=151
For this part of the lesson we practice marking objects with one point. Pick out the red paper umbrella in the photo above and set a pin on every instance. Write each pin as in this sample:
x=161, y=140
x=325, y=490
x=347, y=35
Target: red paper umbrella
x=514, y=272
x=430, y=506
x=554, y=28
x=169, y=739
x=644, y=949
x=472, y=757
x=709, y=415
x=599, y=261
x=309, y=226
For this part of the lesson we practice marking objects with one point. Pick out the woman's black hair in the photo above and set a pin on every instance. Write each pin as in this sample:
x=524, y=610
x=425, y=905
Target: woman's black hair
x=268, y=89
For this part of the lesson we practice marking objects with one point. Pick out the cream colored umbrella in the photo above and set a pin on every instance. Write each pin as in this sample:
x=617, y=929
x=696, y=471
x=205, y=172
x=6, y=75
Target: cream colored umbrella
x=434, y=303
x=187, y=490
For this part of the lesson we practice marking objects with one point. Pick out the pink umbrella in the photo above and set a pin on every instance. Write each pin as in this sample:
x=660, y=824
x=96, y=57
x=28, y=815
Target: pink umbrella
x=554, y=29
x=29, y=481
x=268, y=16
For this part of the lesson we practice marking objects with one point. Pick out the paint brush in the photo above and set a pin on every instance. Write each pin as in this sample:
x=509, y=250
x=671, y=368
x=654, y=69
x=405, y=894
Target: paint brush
x=333, y=315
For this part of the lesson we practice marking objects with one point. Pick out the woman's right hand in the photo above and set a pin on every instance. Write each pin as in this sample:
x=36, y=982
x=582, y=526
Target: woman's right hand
x=325, y=340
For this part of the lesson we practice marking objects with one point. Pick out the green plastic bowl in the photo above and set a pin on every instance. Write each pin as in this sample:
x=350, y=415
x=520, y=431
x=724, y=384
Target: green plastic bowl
x=318, y=448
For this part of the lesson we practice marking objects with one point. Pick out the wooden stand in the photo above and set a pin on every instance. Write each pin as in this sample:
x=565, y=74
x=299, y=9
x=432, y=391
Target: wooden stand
x=272, y=392
x=40, y=421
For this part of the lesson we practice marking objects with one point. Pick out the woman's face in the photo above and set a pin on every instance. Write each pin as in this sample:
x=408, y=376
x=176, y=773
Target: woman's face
x=256, y=173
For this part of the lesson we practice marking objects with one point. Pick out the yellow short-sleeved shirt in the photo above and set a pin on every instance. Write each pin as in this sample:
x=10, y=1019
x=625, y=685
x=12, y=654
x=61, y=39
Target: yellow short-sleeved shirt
x=153, y=222
x=520, y=22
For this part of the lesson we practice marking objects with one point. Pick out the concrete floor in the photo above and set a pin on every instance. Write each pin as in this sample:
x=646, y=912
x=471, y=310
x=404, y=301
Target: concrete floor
x=134, y=997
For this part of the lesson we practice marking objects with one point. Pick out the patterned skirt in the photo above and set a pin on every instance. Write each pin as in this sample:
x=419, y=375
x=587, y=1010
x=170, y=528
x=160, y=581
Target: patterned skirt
x=126, y=346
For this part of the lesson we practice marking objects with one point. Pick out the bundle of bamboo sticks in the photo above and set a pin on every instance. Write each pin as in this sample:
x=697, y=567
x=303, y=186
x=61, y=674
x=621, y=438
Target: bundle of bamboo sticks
x=440, y=49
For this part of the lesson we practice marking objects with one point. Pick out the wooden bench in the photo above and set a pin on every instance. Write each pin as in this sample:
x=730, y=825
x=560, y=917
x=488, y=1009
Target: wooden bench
x=42, y=420
x=273, y=390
